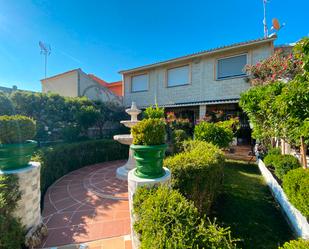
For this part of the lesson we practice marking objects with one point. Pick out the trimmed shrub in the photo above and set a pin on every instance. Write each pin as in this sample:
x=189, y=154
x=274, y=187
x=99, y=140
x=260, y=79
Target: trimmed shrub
x=296, y=244
x=296, y=187
x=166, y=220
x=284, y=163
x=281, y=163
x=11, y=230
x=197, y=173
x=59, y=160
x=274, y=151
x=16, y=129
x=178, y=137
x=149, y=132
x=213, y=133
x=154, y=113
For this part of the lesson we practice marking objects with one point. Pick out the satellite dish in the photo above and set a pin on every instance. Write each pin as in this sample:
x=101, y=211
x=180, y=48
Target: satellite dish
x=276, y=24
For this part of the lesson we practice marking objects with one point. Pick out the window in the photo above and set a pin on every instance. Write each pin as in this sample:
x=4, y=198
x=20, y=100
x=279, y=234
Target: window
x=231, y=66
x=139, y=83
x=178, y=76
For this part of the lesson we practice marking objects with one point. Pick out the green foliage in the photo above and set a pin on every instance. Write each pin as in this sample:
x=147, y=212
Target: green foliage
x=296, y=187
x=282, y=163
x=166, y=220
x=197, y=173
x=16, y=129
x=6, y=107
x=11, y=230
x=149, y=132
x=54, y=113
x=57, y=161
x=232, y=124
x=178, y=137
x=274, y=151
x=153, y=113
x=213, y=133
x=12, y=233
x=296, y=244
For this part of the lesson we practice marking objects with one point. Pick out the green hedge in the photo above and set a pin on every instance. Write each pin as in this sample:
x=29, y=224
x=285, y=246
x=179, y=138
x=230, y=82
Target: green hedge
x=213, y=133
x=61, y=159
x=166, y=220
x=197, y=172
x=296, y=244
x=296, y=187
x=282, y=163
x=11, y=230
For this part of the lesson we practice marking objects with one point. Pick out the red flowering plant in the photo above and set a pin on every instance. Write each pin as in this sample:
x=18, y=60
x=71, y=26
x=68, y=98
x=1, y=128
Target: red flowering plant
x=276, y=67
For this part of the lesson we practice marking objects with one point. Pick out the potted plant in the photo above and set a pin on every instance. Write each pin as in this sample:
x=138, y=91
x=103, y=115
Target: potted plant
x=149, y=148
x=16, y=148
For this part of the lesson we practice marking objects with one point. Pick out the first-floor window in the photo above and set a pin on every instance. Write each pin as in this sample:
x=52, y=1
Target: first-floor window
x=231, y=66
x=178, y=76
x=139, y=83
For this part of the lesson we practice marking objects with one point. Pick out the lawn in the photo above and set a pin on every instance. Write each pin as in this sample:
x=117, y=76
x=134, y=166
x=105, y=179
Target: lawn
x=247, y=206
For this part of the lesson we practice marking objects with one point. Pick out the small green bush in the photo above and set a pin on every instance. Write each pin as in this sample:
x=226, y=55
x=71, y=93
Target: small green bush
x=274, y=151
x=213, y=133
x=154, y=113
x=57, y=161
x=270, y=160
x=296, y=244
x=197, y=173
x=284, y=163
x=178, y=137
x=166, y=220
x=296, y=187
x=149, y=132
x=16, y=129
x=11, y=230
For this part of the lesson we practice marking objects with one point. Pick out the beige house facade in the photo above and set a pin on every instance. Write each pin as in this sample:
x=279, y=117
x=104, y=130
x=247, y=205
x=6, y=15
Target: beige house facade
x=202, y=79
x=76, y=83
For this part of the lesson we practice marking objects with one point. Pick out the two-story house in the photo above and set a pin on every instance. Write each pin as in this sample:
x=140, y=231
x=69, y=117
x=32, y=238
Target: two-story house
x=194, y=84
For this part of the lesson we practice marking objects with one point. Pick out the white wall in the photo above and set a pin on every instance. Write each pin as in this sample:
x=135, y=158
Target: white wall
x=65, y=84
x=204, y=85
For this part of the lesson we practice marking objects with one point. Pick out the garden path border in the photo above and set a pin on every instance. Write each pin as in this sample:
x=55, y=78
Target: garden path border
x=296, y=220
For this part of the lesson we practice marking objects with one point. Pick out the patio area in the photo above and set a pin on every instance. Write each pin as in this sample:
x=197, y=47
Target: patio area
x=88, y=205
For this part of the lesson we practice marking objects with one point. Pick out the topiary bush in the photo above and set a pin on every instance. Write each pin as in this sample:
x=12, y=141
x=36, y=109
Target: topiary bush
x=197, y=173
x=296, y=187
x=57, y=161
x=274, y=151
x=284, y=163
x=213, y=133
x=16, y=129
x=149, y=132
x=11, y=230
x=178, y=137
x=154, y=113
x=296, y=244
x=166, y=220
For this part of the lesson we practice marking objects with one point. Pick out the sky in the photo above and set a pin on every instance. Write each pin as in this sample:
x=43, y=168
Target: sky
x=105, y=36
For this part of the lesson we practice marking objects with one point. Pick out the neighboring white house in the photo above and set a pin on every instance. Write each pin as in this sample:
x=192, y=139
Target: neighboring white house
x=192, y=84
x=76, y=83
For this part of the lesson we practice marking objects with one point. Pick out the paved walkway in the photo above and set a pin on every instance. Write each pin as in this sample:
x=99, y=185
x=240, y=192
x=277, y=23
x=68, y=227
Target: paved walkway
x=86, y=205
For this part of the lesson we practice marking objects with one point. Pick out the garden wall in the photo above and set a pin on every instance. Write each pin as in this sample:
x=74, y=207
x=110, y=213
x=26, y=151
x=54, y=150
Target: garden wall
x=297, y=221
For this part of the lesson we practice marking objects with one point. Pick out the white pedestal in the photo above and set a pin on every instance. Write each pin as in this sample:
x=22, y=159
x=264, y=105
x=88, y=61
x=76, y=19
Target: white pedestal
x=123, y=171
x=133, y=183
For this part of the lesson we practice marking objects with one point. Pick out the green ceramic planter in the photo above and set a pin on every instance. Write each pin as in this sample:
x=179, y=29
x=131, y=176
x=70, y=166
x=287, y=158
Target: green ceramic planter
x=16, y=156
x=149, y=160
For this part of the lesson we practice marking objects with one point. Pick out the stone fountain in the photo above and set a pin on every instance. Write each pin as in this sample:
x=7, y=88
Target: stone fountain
x=122, y=172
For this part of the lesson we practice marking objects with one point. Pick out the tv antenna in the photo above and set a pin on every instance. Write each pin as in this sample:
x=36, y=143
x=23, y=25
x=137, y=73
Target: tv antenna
x=264, y=19
x=45, y=50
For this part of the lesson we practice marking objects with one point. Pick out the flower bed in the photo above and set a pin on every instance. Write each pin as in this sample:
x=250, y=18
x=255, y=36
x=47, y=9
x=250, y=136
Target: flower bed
x=297, y=221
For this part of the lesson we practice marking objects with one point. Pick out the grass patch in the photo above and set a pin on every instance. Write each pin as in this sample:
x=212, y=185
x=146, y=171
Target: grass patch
x=247, y=206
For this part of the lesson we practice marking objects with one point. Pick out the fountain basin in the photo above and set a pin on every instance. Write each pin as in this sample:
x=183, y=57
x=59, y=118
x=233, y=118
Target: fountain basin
x=124, y=139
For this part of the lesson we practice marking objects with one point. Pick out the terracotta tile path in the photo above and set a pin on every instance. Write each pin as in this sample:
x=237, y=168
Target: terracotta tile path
x=86, y=205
